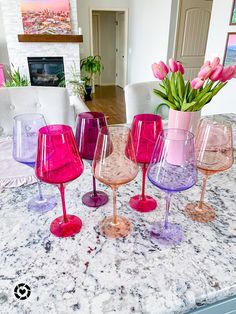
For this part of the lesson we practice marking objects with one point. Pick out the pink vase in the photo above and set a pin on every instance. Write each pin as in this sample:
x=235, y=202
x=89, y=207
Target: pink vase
x=181, y=120
x=184, y=120
x=2, y=77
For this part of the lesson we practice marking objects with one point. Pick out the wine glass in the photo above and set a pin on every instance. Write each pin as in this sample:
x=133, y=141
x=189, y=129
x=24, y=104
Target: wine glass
x=87, y=128
x=58, y=162
x=214, y=153
x=172, y=173
x=114, y=164
x=145, y=130
x=25, y=139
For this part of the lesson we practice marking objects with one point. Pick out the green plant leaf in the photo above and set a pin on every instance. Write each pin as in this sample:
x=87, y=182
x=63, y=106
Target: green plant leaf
x=180, y=85
x=188, y=106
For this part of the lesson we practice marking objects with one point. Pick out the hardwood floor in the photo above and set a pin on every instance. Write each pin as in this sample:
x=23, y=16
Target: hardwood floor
x=109, y=100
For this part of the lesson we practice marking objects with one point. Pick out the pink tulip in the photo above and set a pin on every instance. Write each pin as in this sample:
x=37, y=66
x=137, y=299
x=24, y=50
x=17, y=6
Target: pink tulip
x=227, y=73
x=205, y=72
x=197, y=83
x=160, y=70
x=216, y=73
x=173, y=65
x=215, y=62
x=180, y=68
x=205, y=64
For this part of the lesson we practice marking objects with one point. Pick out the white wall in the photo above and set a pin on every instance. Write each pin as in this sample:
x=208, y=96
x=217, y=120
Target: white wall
x=108, y=47
x=3, y=44
x=148, y=32
x=225, y=101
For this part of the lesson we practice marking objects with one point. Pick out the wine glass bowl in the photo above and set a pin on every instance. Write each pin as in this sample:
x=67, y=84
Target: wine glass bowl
x=214, y=154
x=87, y=128
x=58, y=162
x=145, y=130
x=25, y=139
x=172, y=173
x=115, y=164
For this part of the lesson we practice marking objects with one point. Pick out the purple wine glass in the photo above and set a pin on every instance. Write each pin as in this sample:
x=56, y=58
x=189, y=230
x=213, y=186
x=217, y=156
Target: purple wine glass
x=172, y=169
x=87, y=128
x=25, y=140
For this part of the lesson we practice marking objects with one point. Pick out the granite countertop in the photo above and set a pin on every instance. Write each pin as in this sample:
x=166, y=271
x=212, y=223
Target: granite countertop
x=91, y=274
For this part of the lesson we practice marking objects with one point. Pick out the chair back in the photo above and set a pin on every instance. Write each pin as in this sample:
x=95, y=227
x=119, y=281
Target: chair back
x=52, y=102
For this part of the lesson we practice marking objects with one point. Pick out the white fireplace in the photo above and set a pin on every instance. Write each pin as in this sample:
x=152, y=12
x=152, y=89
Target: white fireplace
x=19, y=52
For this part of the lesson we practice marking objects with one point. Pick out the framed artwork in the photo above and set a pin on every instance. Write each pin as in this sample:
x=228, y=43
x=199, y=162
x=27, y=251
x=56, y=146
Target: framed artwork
x=233, y=14
x=46, y=16
x=230, y=50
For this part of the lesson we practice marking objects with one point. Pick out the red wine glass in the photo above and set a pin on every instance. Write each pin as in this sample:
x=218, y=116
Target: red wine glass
x=145, y=130
x=58, y=162
x=87, y=129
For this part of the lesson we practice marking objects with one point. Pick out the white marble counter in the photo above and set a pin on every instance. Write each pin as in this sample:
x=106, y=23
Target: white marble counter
x=91, y=274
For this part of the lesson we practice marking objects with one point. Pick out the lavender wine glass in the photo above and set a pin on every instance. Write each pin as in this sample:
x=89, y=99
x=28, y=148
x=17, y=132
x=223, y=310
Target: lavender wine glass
x=87, y=129
x=172, y=169
x=25, y=139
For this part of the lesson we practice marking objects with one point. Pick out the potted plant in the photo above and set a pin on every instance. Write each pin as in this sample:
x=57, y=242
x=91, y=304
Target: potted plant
x=77, y=84
x=90, y=66
x=186, y=98
x=16, y=79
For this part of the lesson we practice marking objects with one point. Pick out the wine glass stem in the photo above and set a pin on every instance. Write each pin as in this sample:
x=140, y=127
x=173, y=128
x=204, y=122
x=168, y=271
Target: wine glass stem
x=94, y=187
x=144, y=170
x=203, y=191
x=168, y=199
x=114, y=189
x=40, y=190
x=62, y=191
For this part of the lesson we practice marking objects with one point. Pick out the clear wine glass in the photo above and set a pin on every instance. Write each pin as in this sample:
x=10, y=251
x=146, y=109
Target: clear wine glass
x=25, y=139
x=214, y=153
x=172, y=169
x=114, y=164
x=145, y=129
x=58, y=162
x=87, y=128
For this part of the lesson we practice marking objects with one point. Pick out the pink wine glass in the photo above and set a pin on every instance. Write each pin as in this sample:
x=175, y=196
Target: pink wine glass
x=145, y=130
x=214, y=154
x=114, y=164
x=58, y=162
x=172, y=173
x=87, y=128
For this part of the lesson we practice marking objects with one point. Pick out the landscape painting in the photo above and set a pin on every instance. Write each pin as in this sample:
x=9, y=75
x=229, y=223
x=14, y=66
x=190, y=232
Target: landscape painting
x=46, y=16
x=233, y=15
x=230, y=50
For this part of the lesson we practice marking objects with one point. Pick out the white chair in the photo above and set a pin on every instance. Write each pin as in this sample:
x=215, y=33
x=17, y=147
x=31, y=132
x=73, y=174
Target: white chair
x=53, y=102
x=139, y=98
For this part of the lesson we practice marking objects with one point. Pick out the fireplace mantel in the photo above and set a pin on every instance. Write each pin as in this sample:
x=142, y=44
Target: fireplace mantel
x=50, y=38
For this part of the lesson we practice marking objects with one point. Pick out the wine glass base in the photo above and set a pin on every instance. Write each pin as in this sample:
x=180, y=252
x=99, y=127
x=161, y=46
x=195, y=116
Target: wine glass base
x=42, y=206
x=119, y=230
x=90, y=200
x=173, y=235
x=205, y=214
x=63, y=229
x=142, y=205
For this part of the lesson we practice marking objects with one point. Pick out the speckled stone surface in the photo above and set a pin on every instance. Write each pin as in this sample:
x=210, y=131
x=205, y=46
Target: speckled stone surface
x=91, y=274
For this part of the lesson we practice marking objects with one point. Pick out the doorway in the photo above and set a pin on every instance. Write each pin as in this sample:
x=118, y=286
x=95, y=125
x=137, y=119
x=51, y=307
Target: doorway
x=109, y=39
x=191, y=34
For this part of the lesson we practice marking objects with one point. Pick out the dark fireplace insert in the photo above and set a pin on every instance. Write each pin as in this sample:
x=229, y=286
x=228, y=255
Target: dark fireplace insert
x=46, y=71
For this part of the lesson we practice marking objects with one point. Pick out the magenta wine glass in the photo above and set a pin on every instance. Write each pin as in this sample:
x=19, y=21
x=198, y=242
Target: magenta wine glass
x=172, y=169
x=87, y=129
x=25, y=139
x=145, y=130
x=58, y=162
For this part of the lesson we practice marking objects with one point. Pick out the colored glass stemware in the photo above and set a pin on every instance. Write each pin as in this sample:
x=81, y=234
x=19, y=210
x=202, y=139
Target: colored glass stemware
x=172, y=169
x=114, y=164
x=145, y=130
x=214, y=153
x=87, y=128
x=25, y=139
x=58, y=162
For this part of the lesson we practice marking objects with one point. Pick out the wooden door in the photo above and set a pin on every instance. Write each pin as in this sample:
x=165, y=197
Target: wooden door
x=192, y=34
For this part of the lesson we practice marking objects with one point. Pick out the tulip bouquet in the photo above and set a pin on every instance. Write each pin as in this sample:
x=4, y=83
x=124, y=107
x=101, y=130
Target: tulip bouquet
x=191, y=95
